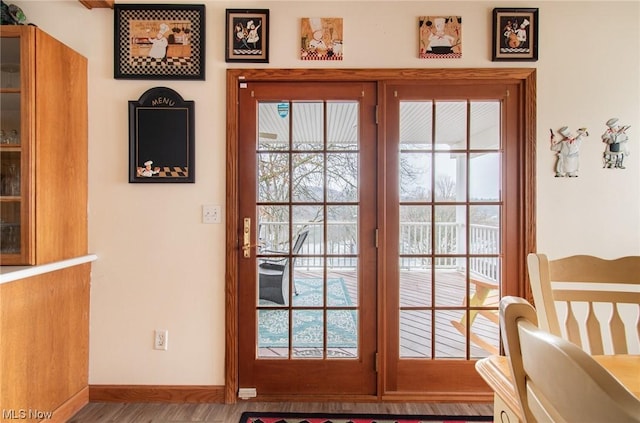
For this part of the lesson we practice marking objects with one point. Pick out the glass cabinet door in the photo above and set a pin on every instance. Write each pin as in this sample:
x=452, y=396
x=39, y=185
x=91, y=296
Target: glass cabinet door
x=10, y=147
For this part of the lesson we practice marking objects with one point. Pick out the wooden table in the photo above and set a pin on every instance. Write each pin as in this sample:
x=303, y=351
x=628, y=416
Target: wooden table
x=496, y=372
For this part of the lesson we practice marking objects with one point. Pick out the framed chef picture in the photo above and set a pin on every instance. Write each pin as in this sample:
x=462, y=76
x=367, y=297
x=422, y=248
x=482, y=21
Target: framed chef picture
x=159, y=41
x=440, y=37
x=322, y=39
x=247, y=36
x=515, y=34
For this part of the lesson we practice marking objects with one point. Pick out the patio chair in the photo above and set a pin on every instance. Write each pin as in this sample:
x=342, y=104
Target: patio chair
x=555, y=380
x=274, y=273
x=586, y=300
x=480, y=298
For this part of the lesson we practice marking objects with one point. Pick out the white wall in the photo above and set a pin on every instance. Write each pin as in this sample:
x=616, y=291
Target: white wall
x=159, y=267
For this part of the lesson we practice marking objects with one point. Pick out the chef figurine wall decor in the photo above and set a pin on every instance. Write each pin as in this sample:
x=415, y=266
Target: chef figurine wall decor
x=567, y=148
x=616, y=149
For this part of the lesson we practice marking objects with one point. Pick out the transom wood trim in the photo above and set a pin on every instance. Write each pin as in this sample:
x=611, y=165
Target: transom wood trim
x=98, y=4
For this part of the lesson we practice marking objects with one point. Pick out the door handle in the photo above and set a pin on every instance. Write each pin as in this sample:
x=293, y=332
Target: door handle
x=246, y=237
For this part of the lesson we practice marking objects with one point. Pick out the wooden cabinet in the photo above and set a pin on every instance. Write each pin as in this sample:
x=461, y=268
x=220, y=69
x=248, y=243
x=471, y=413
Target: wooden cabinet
x=44, y=344
x=43, y=149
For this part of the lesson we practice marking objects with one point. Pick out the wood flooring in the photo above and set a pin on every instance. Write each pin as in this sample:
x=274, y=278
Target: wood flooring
x=230, y=413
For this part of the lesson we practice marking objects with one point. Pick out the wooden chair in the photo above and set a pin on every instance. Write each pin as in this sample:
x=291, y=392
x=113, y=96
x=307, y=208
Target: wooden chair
x=554, y=379
x=587, y=299
x=479, y=299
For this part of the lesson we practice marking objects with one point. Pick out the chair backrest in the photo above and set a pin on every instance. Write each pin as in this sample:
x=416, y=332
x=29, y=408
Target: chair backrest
x=302, y=236
x=297, y=245
x=592, y=302
x=555, y=380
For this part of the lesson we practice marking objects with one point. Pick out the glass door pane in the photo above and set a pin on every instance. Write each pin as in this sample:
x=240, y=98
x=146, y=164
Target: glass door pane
x=10, y=148
x=307, y=208
x=449, y=228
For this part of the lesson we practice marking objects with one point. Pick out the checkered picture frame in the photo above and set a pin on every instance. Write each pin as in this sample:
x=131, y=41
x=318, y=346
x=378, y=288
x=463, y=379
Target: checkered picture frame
x=179, y=54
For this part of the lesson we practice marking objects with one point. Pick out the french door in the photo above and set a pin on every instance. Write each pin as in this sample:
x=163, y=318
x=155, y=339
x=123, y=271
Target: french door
x=452, y=217
x=377, y=226
x=307, y=272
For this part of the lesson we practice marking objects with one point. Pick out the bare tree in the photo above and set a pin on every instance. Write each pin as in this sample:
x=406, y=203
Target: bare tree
x=445, y=188
x=305, y=177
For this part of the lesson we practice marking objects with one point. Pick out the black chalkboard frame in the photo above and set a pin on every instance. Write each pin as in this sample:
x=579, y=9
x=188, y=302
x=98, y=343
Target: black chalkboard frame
x=161, y=138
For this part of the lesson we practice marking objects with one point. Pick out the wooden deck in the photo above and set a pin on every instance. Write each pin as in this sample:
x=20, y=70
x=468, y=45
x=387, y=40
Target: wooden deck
x=416, y=340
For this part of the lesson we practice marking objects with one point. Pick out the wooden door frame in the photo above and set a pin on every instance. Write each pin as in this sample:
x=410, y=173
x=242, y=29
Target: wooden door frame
x=526, y=79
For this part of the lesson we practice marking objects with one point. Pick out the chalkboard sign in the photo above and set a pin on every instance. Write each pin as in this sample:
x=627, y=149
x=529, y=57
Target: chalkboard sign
x=161, y=137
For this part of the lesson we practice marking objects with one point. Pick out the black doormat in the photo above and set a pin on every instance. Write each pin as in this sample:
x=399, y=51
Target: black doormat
x=274, y=417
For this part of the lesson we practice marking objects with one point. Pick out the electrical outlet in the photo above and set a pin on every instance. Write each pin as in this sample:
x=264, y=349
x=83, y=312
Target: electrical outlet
x=161, y=339
x=211, y=213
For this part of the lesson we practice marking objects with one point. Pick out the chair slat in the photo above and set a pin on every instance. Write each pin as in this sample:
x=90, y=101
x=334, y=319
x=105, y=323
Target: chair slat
x=571, y=325
x=618, y=337
x=594, y=334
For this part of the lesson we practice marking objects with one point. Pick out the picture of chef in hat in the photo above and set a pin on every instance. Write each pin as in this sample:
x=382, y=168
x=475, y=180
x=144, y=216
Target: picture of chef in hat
x=438, y=37
x=241, y=34
x=317, y=42
x=516, y=35
x=253, y=36
x=159, y=43
x=147, y=170
x=521, y=33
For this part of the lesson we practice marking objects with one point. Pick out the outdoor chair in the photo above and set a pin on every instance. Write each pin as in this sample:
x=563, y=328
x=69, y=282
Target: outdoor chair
x=555, y=380
x=274, y=273
x=590, y=301
x=481, y=298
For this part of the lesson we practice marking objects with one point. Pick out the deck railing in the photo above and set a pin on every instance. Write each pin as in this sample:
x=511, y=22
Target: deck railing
x=416, y=237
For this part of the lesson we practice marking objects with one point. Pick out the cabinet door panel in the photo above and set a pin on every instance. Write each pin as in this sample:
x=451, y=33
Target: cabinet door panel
x=43, y=194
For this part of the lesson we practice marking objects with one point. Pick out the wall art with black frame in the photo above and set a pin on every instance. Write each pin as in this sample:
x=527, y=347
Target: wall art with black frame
x=515, y=34
x=161, y=137
x=159, y=41
x=247, y=35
